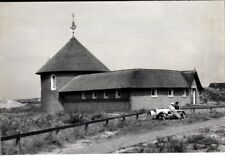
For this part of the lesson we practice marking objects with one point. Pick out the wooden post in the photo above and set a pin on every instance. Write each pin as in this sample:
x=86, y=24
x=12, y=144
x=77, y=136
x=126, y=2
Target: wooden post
x=18, y=143
x=106, y=123
x=0, y=140
x=86, y=127
x=57, y=131
x=137, y=116
x=211, y=109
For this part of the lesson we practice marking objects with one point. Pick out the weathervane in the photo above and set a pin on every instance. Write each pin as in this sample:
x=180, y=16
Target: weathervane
x=73, y=27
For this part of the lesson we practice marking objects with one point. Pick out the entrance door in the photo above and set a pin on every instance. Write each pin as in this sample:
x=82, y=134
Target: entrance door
x=194, y=96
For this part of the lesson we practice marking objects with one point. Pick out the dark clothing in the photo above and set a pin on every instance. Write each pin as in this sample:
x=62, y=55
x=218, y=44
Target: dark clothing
x=177, y=107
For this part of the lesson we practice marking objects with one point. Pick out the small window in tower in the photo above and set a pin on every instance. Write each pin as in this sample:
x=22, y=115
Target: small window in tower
x=153, y=92
x=170, y=93
x=106, y=95
x=118, y=94
x=94, y=95
x=53, y=82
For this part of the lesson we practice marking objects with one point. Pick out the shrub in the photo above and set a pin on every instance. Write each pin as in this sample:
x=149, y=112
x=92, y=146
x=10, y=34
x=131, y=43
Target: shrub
x=195, y=138
x=74, y=118
x=170, y=144
x=202, y=139
x=151, y=148
x=97, y=116
x=213, y=148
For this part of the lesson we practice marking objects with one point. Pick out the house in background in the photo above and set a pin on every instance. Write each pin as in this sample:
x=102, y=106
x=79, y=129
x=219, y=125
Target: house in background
x=75, y=80
x=217, y=86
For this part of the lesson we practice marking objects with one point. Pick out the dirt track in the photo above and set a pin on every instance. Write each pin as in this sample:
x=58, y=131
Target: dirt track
x=116, y=142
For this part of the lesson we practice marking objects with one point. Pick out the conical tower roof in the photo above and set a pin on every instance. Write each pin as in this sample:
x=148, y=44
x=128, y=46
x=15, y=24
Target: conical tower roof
x=73, y=57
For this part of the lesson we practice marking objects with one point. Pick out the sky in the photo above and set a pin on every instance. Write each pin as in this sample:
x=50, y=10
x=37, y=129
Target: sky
x=177, y=35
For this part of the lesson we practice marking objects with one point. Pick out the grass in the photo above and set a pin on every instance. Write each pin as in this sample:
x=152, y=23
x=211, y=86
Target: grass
x=177, y=145
x=47, y=142
x=202, y=141
x=149, y=124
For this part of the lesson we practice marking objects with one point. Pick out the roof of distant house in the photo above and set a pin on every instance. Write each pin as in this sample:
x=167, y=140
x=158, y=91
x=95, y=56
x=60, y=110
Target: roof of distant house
x=217, y=85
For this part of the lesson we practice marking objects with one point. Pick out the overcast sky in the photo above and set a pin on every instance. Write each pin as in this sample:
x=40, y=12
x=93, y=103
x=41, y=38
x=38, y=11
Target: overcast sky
x=160, y=35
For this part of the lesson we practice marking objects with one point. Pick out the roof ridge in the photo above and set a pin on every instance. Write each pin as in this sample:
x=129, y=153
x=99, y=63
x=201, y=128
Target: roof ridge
x=130, y=69
x=188, y=71
x=68, y=83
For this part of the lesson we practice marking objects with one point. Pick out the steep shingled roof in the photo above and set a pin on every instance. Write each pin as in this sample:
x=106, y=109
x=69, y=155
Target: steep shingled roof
x=190, y=76
x=132, y=78
x=73, y=57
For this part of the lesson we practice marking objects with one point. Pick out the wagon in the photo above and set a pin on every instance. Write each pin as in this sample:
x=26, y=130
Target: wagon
x=170, y=114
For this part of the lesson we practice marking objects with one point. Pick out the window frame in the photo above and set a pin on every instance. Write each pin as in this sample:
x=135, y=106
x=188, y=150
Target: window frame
x=53, y=82
x=117, y=94
x=105, y=95
x=172, y=92
x=155, y=91
x=83, y=97
x=94, y=95
x=184, y=91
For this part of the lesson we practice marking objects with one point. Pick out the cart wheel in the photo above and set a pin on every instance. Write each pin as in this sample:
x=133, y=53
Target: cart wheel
x=163, y=117
x=183, y=116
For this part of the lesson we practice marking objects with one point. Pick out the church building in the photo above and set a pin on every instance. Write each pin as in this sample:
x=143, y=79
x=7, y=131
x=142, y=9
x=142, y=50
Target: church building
x=75, y=80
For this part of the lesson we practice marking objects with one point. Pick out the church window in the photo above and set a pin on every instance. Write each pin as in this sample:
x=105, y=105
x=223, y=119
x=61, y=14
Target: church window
x=184, y=93
x=53, y=82
x=118, y=94
x=153, y=92
x=94, y=95
x=83, y=95
x=106, y=95
x=170, y=93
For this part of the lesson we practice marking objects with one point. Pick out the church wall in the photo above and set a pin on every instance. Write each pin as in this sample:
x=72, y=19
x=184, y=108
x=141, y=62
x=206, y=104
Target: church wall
x=97, y=106
x=73, y=102
x=130, y=100
x=50, y=98
x=141, y=99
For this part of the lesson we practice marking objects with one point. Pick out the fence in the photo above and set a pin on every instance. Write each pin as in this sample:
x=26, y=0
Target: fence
x=202, y=108
x=57, y=129
x=106, y=120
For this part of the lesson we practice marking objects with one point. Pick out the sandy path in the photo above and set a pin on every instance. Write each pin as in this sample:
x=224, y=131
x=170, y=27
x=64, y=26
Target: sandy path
x=117, y=142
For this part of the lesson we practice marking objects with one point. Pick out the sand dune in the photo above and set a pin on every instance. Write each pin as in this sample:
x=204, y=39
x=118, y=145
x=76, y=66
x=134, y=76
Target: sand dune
x=10, y=104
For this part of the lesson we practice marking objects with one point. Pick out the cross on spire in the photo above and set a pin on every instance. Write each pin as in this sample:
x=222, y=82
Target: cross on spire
x=73, y=27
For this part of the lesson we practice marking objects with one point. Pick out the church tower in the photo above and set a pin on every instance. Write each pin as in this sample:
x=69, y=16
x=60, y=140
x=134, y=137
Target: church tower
x=71, y=60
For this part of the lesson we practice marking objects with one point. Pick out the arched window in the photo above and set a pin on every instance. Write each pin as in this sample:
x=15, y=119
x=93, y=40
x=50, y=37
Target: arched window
x=53, y=82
